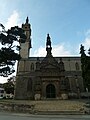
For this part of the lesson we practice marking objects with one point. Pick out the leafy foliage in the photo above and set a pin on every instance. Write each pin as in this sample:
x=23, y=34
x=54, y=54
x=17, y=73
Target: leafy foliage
x=9, y=86
x=8, y=51
x=85, y=65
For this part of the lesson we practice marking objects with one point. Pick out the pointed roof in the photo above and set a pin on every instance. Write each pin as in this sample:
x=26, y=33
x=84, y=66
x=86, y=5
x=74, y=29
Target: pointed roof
x=27, y=20
x=49, y=60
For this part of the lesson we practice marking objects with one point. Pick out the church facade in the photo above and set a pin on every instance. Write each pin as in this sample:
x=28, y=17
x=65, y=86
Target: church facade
x=46, y=77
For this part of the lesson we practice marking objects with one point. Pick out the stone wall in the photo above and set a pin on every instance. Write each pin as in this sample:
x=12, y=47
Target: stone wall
x=12, y=107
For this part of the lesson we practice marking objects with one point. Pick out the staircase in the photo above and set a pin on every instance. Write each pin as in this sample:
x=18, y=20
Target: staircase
x=59, y=107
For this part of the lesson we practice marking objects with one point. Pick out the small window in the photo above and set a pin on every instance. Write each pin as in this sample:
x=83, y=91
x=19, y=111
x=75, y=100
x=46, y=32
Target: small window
x=77, y=66
x=1, y=91
x=32, y=66
x=29, y=85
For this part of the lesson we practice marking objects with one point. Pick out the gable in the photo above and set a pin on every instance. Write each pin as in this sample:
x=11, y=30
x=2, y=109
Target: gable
x=50, y=66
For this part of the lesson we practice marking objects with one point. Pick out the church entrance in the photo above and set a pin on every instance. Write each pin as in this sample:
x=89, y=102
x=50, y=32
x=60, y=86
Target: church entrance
x=50, y=91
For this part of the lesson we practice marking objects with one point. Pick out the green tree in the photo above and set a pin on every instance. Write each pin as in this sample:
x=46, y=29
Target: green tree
x=85, y=65
x=8, y=51
x=9, y=86
x=89, y=51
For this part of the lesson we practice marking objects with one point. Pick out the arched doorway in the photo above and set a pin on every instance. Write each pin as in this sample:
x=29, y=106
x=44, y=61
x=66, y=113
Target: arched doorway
x=50, y=91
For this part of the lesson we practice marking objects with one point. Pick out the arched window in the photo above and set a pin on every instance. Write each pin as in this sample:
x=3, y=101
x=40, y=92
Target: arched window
x=77, y=66
x=29, y=85
x=32, y=66
x=67, y=83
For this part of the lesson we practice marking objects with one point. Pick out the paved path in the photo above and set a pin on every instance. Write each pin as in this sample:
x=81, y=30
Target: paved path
x=13, y=116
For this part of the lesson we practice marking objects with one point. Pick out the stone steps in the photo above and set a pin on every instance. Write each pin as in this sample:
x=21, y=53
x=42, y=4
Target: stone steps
x=59, y=107
x=44, y=107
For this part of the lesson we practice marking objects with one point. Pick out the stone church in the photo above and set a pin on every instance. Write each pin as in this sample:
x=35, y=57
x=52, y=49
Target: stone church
x=46, y=77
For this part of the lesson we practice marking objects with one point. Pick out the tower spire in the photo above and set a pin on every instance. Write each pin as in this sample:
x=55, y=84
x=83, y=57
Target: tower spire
x=25, y=47
x=48, y=45
x=27, y=20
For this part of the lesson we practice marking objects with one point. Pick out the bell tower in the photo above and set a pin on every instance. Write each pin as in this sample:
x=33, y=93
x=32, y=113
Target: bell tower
x=25, y=47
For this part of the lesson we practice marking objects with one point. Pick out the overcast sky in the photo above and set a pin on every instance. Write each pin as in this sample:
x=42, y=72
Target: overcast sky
x=67, y=22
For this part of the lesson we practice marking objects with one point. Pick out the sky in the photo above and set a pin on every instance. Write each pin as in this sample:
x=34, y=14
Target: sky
x=67, y=22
